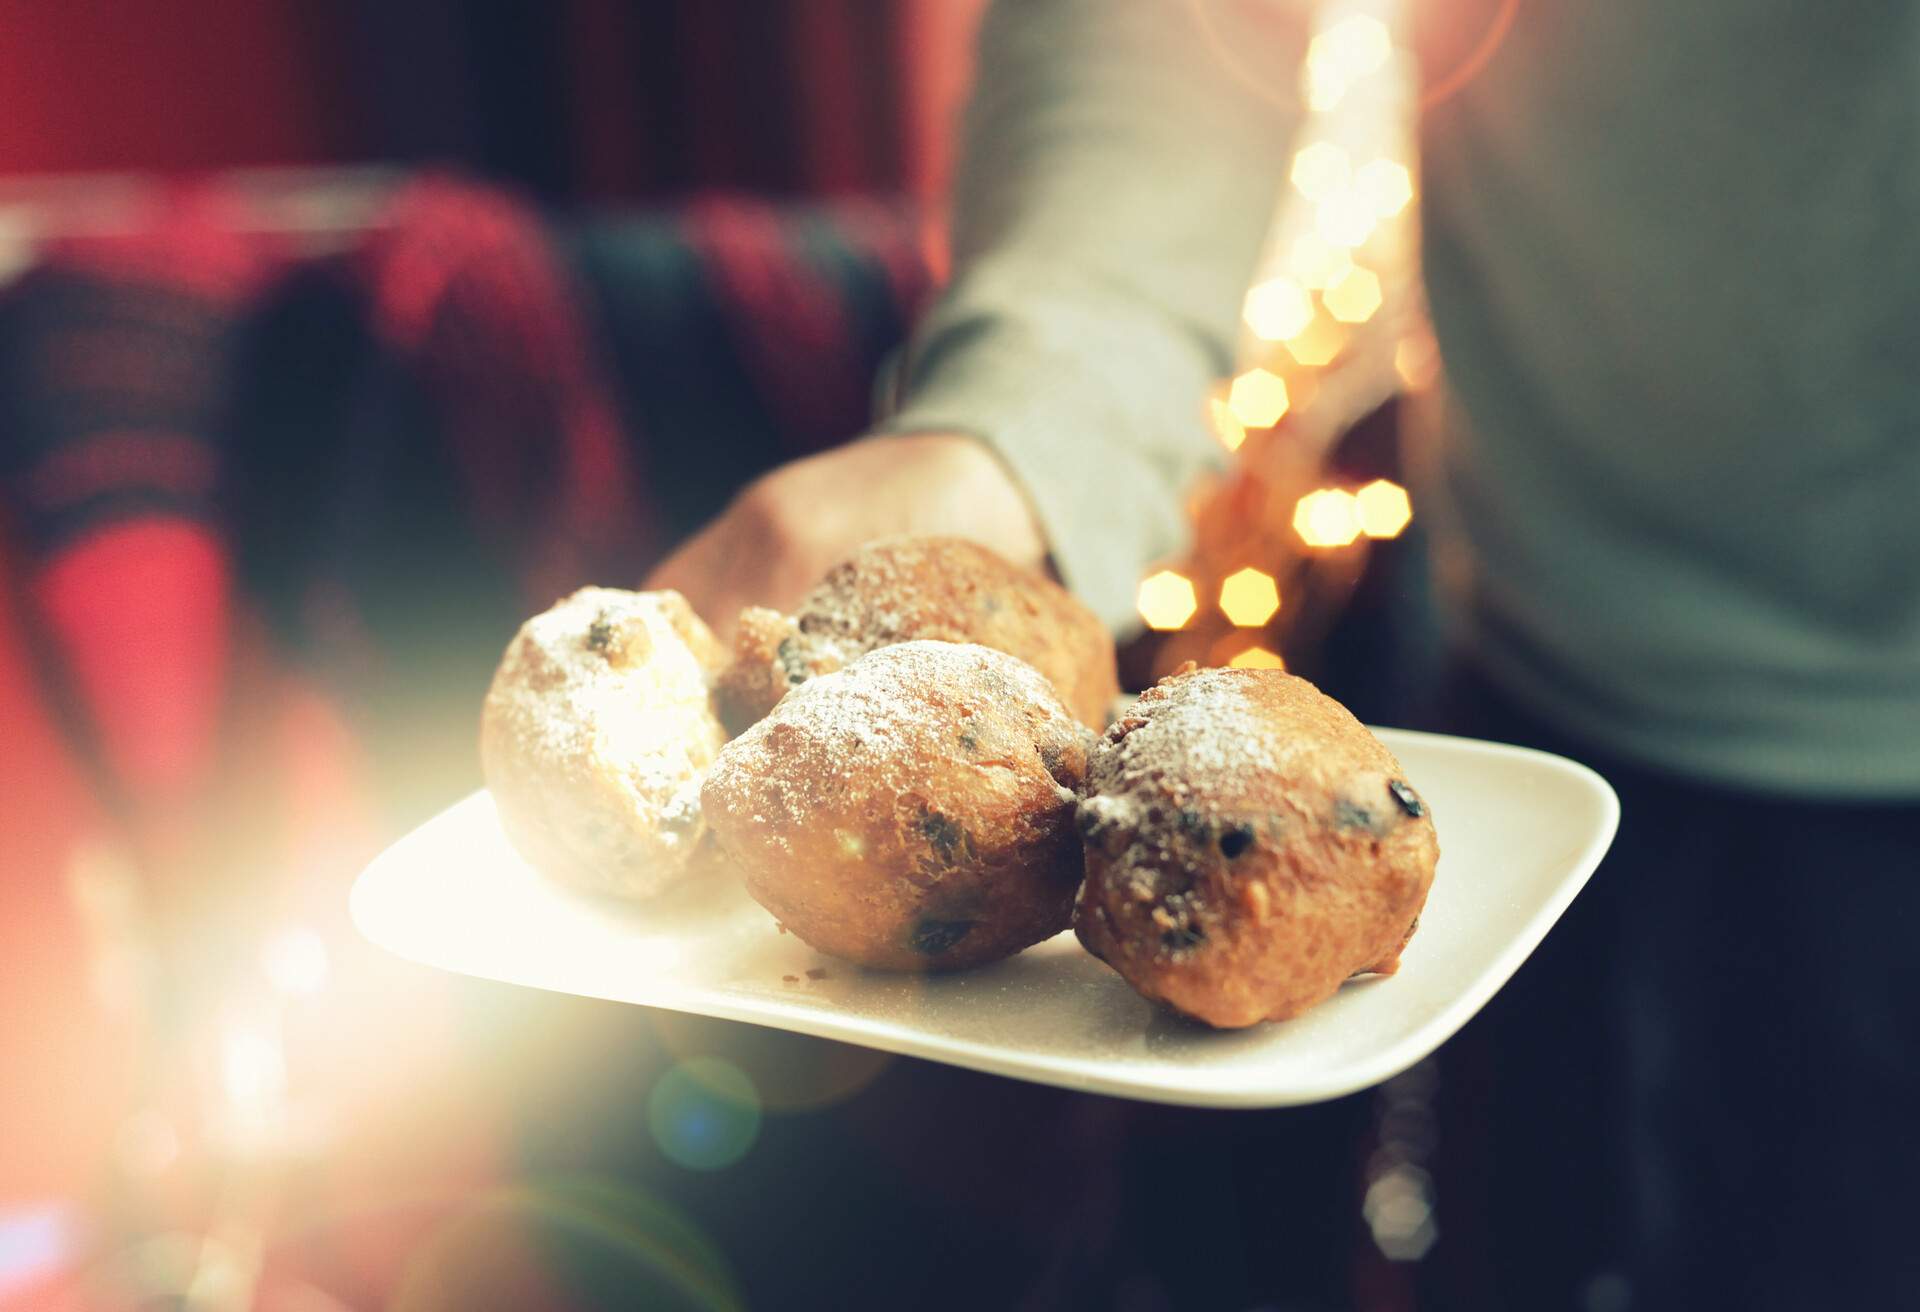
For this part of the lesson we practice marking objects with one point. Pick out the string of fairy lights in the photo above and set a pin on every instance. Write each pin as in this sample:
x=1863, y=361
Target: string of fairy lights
x=1333, y=326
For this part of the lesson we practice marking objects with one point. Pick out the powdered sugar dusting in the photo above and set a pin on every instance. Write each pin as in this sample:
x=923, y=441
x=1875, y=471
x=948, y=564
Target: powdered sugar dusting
x=599, y=728
x=891, y=694
x=604, y=672
x=870, y=600
x=939, y=588
x=1203, y=724
x=883, y=717
x=1198, y=742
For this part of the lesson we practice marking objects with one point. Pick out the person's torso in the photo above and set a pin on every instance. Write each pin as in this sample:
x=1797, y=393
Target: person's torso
x=1673, y=260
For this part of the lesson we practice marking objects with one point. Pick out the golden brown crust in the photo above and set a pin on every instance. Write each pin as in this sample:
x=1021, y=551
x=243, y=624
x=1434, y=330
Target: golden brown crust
x=595, y=735
x=898, y=589
x=1249, y=846
x=912, y=811
x=769, y=657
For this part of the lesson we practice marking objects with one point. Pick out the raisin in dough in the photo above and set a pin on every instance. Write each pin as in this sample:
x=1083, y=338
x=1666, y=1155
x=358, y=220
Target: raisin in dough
x=1249, y=846
x=912, y=811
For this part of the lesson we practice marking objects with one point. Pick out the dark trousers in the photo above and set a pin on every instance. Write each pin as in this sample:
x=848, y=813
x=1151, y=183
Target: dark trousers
x=1703, y=1091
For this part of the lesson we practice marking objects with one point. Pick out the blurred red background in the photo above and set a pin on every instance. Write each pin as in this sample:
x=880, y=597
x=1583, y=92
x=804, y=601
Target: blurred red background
x=585, y=99
x=588, y=103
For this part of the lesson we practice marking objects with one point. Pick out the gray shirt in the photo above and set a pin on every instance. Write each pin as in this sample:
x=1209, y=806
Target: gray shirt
x=1672, y=254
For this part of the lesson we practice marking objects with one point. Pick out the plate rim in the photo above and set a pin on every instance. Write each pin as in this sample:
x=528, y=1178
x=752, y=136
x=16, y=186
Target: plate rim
x=974, y=1054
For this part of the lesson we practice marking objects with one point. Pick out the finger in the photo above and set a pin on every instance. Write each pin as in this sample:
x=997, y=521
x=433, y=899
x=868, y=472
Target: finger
x=689, y=568
x=705, y=571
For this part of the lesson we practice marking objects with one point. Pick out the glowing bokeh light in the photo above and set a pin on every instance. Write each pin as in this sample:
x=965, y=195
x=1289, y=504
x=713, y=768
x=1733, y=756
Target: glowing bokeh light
x=1258, y=398
x=40, y=1244
x=1320, y=344
x=1249, y=597
x=1383, y=509
x=1355, y=297
x=1341, y=56
x=704, y=1113
x=788, y=1072
x=1344, y=219
x=1399, y=1211
x=1322, y=171
x=295, y=962
x=1317, y=263
x=1226, y=425
x=1277, y=309
x=253, y=1069
x=1326, y=518
x=1386, y=185
x=1257, y=658
x=1352, y=47
x=1166, y=600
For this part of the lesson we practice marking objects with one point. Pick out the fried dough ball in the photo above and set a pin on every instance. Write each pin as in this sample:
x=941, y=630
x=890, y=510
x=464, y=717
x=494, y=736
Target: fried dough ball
x=913, y=811
x=596, y=734
x=898, y=589
x=1249, y=846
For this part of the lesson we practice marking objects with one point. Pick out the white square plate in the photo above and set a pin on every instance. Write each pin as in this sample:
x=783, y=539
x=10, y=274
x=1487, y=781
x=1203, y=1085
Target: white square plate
x=1520, y=831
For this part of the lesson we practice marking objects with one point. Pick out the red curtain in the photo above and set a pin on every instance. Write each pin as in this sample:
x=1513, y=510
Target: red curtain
x=580, y=100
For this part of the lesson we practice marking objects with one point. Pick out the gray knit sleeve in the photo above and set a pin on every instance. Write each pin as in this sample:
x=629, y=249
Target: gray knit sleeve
x=1120, y=167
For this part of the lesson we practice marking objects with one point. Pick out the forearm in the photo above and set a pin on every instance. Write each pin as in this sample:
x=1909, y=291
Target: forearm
x=1116, y=183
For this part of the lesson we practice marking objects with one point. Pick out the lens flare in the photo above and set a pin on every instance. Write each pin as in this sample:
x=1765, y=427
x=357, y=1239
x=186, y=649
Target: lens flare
x=788, y=1072
x=253, y=1068
x=295, y=962
x=36, y=1242
x=704, y=1113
